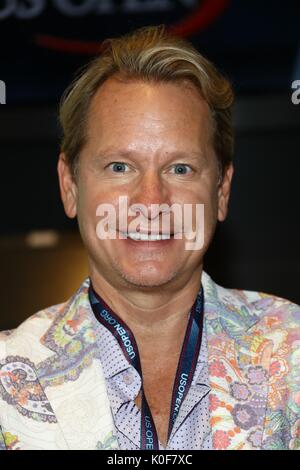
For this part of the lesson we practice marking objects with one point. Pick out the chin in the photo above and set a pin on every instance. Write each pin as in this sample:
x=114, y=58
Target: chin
x=147, y=277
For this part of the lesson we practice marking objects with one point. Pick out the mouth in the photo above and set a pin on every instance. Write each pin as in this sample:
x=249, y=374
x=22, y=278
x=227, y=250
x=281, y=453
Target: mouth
x=147, y=237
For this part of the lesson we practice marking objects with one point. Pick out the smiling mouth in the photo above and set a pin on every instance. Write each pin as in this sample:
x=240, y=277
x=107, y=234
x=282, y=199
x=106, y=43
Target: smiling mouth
x=148, y=237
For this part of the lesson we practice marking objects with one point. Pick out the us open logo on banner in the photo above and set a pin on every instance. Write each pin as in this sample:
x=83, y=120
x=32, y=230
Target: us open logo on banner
x=2, y=92
x=187, y=17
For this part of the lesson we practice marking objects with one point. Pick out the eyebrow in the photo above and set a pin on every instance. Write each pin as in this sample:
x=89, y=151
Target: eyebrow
x=128, y=154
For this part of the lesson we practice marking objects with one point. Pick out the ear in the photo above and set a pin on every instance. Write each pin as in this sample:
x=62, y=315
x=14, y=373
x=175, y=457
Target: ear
x=68, y=187
x=224, y=193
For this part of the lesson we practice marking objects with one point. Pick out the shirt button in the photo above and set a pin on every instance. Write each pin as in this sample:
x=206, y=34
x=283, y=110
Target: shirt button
x=128, y=378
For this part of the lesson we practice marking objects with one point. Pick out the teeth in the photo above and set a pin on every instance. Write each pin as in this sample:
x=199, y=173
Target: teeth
x=165, y=236
x=147, y=237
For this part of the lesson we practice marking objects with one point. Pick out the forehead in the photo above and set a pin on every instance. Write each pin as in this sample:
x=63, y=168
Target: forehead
x=136, y=110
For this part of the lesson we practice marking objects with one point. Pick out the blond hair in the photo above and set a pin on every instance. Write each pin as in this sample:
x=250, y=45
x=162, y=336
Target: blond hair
x=149, y=54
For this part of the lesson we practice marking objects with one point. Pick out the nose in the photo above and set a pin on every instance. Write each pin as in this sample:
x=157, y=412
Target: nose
x=151, y=189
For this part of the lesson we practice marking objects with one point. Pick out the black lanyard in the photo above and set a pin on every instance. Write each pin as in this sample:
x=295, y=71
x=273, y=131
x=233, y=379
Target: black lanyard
x=186, y=365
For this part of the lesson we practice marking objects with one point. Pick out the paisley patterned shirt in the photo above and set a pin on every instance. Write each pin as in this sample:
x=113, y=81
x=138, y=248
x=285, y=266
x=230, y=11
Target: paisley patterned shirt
x=62, y=388
x=191, y=430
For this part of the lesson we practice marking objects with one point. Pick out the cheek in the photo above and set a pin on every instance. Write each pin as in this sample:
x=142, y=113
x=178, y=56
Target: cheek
x=88, y=199
x=205, y=196
x=208, y=218
x=211, y=200
x=90, y=212
x=213, y=206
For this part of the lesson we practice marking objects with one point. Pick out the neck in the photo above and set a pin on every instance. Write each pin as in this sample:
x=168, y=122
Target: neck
x=158, y=317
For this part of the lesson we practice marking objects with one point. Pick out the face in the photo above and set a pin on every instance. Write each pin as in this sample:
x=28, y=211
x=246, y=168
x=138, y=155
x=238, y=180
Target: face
x=151, y=143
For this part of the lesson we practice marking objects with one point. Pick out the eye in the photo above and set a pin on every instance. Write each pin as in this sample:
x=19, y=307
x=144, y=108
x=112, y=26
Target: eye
x=118, y=167
x=181, y=169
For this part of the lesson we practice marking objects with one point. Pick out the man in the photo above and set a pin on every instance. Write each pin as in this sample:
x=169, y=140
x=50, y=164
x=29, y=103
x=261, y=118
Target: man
x=150, y=353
